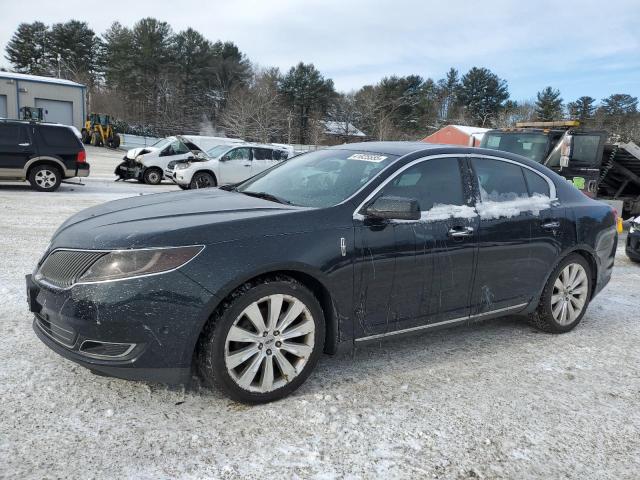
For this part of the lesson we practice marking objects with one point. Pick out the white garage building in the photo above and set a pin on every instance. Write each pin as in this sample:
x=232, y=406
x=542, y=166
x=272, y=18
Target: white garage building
x=62, y=101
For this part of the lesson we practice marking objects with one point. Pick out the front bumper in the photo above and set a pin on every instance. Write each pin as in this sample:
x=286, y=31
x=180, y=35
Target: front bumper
x=158, y=317
x=632, y=247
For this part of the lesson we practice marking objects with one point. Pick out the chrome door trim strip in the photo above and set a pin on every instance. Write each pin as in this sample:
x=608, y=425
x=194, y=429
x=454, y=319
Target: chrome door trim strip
x=444, y=322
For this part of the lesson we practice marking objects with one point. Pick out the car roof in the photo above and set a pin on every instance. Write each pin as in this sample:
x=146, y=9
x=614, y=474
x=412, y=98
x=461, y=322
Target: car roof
x=416, y=149
x=32, y=122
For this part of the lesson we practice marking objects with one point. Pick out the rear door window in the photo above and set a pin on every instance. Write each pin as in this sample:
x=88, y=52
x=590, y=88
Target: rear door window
x=58, y=137
x=262, y=154
x=12, y=135
x=535, y=183
x=499, y=181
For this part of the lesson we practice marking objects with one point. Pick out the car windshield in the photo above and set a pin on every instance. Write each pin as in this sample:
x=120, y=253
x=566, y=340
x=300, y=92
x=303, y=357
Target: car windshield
x=529, y=145
x=318, y=179
x=218, y=151
x=160, y=144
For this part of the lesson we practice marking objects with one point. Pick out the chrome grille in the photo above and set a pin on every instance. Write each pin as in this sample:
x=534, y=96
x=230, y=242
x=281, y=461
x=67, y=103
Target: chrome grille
x=63, y=267
x=64, y=335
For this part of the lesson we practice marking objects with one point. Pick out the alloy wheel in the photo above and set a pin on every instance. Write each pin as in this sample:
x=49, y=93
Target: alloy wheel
x=45, y=178
x=269, y=343
x=569, y=295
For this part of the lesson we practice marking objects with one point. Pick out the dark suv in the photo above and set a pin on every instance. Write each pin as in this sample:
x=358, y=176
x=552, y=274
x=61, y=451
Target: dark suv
x=42, y=153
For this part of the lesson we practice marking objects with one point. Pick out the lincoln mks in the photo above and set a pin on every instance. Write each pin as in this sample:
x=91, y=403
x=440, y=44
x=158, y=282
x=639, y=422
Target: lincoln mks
x=247, y=285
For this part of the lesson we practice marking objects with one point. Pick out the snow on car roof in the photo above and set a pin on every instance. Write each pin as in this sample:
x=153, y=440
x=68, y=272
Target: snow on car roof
x=471, y=130
x=37, y=78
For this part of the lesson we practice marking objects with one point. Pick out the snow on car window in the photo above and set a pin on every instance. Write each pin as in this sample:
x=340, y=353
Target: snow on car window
x=506, y=205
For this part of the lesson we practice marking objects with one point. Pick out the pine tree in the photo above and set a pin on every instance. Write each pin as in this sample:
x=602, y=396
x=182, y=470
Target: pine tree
x=582, y=109
x=27, y=49
x=548, y=105
x=482, y=94
x=619, y=104
x=447, y=94
x=72, y=51
x=307, y=94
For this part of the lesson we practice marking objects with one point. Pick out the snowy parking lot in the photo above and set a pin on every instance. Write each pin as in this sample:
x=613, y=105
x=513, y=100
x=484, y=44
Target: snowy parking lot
x=487, y=400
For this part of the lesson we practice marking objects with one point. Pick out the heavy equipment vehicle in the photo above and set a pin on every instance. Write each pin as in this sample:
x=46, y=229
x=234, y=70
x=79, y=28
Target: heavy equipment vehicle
x=602, y=168
x=98, y=131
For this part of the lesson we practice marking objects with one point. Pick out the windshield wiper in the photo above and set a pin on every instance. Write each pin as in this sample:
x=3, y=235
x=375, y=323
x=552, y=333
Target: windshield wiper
x=266, y=196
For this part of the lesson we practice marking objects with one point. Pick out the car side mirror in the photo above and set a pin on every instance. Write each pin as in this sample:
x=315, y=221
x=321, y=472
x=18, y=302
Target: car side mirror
x=224, y=158
x=394, y=208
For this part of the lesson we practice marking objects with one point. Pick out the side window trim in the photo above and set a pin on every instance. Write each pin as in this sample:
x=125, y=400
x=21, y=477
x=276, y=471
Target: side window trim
x=358, y=216
x=552, y=187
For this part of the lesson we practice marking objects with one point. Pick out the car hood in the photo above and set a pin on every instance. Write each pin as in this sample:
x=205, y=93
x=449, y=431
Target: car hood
x=176, y=218
x=134, y=152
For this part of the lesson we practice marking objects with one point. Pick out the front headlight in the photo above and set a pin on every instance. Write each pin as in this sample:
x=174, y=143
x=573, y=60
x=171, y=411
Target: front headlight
x=121, y=264
x=182, y=166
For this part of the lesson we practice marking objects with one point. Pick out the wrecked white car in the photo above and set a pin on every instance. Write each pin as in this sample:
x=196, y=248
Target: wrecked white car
x=147, y=164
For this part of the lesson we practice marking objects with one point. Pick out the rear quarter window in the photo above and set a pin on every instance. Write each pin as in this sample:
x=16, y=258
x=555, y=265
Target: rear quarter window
x=58, y=137
x=536, y=184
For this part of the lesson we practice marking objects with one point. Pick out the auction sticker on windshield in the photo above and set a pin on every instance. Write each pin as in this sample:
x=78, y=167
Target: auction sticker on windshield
x=367, y=157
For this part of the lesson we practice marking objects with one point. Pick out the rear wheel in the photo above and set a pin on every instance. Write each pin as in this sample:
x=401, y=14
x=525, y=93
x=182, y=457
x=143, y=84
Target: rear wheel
x=45, y=178
x=264, y=342
x=565, y=297
x=203, y=180
x=152, y=176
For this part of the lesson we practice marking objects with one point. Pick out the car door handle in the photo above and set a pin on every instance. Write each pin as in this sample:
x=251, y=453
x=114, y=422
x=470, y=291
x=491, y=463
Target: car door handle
x=551, y=224
x=460, y=232
x=24, y=144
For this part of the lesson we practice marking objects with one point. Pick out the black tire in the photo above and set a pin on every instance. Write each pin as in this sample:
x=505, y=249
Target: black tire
x=115, y=143
x=86, y=138
x=183, y=187
x=203, y=180
x=45, y=177
x=96, y=140
x=212, y=343
x=152, y=176
x=542, y=318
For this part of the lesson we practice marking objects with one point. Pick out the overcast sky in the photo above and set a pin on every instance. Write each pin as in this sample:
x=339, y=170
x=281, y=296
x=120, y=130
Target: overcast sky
x=581, y=47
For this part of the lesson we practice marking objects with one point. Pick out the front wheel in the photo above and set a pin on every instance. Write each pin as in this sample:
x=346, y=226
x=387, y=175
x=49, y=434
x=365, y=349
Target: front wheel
x=202, y=180
x=152, y=176
x=565, y=297
x=264, y=341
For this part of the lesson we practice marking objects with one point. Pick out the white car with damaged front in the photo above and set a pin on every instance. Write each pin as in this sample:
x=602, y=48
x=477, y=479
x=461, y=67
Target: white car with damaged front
x=228, y=164
x=148, y=164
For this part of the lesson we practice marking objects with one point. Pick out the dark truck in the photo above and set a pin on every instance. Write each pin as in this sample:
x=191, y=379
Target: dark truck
x=601, y=170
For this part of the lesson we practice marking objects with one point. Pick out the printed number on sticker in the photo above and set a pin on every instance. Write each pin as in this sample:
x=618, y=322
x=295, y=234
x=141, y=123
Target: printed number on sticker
x=367, y=157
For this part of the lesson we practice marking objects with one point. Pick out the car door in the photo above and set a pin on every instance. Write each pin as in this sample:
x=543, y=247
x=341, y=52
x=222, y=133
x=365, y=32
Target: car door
x=16, y=149
x=263, y=158
x=235, y=165
x=504, y=278
x=416, y=273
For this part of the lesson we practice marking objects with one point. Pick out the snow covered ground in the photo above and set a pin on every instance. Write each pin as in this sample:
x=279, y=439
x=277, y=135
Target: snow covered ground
x=488, y=400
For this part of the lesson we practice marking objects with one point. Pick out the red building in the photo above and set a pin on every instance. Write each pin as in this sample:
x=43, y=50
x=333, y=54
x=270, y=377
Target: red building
x=457, y=135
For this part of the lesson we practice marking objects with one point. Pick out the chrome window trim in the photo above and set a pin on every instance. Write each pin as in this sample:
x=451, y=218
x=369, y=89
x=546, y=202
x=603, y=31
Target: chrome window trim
x=95, y=355
x=359, y=216
x=444, y=322
x=55, y=287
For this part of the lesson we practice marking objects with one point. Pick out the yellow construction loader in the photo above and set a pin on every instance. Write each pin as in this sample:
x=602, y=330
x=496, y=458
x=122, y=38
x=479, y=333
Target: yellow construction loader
x=98, y=131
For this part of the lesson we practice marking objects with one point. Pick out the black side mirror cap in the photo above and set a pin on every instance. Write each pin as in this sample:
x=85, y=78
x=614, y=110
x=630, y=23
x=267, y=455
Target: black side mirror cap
x=394, y=208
